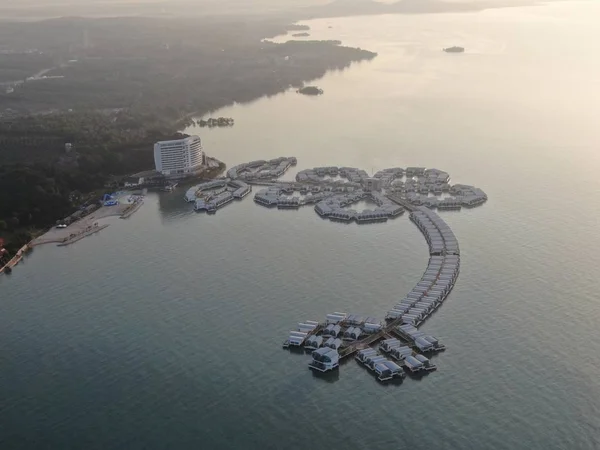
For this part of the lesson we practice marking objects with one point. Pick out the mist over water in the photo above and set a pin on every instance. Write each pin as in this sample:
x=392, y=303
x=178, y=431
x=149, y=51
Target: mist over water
x=164, y=331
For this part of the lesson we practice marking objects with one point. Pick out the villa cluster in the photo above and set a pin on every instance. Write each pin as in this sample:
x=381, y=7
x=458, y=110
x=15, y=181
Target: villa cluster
x=261, y=170
x=215, y=194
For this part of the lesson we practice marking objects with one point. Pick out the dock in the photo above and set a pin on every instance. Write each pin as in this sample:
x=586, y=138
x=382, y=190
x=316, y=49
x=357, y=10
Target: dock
x=132, y=209
x=72, y=239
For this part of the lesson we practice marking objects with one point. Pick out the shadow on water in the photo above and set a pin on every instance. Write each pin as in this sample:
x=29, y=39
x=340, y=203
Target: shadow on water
x=329, y=377
x=394, y=382
x=172, y=206
x=475, y=206
x=418, y=376
x=433, y=355
x=347, y=360
x=442, y=212
x=265, y=206
x=300, y=351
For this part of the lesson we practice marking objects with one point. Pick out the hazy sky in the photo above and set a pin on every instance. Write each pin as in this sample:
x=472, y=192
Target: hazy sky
x=37, y=9
x=115, y=7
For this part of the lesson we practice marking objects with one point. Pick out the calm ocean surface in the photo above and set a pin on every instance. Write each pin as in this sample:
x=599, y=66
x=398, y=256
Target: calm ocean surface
x=164, y=331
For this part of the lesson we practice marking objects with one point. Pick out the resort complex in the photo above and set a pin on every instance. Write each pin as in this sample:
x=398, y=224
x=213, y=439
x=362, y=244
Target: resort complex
x=393, y=346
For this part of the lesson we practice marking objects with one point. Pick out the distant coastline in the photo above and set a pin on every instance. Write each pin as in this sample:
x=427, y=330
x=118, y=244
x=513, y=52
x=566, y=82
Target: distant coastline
x=97, y=130
x=338, y=8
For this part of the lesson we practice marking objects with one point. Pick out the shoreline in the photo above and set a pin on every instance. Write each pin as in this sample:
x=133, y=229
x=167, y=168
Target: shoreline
x=15, y=260
x=78, y=230
x=88, y=225
x=85, y=234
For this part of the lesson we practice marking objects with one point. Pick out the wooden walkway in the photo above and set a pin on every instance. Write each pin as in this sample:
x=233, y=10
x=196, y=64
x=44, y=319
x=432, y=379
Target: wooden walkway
x=360, y=345
x=402, y=202
x=388, y=331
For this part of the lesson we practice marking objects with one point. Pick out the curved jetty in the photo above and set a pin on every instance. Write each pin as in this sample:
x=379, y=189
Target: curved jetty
x=401, y=342
x=334, y=192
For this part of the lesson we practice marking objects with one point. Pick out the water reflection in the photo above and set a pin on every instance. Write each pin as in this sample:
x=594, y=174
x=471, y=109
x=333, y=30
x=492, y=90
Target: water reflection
x=172, y=206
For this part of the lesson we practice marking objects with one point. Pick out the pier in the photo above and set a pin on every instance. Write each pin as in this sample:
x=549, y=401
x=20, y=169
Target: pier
x=136, y=205
x=415, y=189
x=77, y=237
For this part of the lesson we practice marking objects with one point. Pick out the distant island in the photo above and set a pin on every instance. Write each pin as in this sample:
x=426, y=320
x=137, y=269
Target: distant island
x=220, y=122
x=454, y=50
x=310, y=90
x=301, y=34
x=297, y=27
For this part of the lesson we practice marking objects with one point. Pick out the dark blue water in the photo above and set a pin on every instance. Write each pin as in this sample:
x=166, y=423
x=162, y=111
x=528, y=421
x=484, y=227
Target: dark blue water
x=164, y=331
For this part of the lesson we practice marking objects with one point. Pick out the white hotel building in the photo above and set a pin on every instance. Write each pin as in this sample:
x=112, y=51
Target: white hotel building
x=179, y=158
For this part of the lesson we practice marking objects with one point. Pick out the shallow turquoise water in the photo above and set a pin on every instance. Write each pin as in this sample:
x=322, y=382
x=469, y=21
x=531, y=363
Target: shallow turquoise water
x=164, y=331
